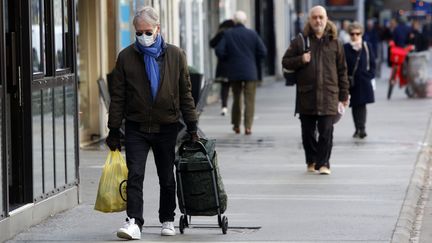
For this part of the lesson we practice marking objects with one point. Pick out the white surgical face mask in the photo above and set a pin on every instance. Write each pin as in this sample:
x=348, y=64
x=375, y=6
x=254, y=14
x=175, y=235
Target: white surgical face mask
x=146, y=40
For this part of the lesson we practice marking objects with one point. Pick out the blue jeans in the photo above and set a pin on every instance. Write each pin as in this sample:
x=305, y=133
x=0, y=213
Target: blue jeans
x=137, y=145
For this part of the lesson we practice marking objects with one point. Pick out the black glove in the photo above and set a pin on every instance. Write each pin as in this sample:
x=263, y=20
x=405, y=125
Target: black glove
x=194, y=137
x=113, y=140
x=192, y=131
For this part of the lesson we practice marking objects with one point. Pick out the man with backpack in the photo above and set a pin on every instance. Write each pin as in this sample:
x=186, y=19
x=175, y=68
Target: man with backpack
x=322, y=85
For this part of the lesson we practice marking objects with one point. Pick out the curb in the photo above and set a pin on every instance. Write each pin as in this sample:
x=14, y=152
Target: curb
x=419, y=178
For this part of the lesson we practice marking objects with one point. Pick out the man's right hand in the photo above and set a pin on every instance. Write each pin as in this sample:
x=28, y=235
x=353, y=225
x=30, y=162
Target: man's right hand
x=113, y=140
x=306, y=57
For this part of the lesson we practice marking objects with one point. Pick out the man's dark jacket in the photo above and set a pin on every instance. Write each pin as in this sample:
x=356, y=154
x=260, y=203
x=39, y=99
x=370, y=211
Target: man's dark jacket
x=131, y=96
x=322, y=82
x=239, y=49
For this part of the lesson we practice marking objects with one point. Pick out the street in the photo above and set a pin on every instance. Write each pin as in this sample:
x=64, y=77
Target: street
x=271, y=197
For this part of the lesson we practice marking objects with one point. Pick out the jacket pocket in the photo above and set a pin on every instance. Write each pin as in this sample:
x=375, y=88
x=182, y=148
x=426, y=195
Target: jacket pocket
x=305, y=88
x=174, y=109
x=331, y=99
x=306, y=98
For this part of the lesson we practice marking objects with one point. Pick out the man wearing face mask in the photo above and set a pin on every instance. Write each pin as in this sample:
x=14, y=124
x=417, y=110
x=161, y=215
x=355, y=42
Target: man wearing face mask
x=322, y=84
x=150, y=88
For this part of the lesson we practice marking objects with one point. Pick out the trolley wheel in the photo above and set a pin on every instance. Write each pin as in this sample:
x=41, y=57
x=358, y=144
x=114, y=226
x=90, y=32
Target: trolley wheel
x=186, y=222
x=220, y=221
x=224, y=224
x=182, y=224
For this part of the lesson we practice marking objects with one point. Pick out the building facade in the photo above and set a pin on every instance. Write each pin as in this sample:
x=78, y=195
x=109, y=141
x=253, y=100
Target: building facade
x=38, y=111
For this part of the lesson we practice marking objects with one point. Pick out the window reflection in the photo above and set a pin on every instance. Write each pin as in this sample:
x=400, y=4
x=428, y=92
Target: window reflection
x=48, y=143
x=59, y=113
x=37, y=32
x=37, y=143
x=182, y=21
x=65, y=16
x=191, y=31
x=58, y=34
x=70, y=135
x=197, y=34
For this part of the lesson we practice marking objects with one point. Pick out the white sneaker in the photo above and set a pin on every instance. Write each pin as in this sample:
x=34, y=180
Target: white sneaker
x=324, y=170
x=224, y=111
x=130, y=230
x=168, y=228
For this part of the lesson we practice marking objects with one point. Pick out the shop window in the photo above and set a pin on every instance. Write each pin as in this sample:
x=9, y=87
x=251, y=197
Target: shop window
x=59, y=135
x=37, y=142
x=61, y=34
x=192, y=32
x=70, y=135
x=38, y=52
x=48, y=140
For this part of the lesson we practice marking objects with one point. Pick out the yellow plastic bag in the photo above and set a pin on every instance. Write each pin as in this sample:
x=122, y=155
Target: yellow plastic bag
x=111, y=195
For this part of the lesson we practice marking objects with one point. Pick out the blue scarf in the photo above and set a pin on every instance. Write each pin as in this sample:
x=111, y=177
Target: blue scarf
x=150, y=54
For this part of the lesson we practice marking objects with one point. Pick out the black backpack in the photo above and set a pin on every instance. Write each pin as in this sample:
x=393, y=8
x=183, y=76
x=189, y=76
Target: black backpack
x=290, y=75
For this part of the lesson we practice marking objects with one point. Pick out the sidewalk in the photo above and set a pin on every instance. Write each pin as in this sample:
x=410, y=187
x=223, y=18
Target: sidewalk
x=271, y=197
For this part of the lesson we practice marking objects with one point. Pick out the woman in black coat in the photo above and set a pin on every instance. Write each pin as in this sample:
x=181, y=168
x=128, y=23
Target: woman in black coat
x=221, y=69
x=361, y=70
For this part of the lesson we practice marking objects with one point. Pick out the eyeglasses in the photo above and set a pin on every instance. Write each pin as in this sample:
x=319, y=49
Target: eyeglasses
x=147, y=33
x=355, y=33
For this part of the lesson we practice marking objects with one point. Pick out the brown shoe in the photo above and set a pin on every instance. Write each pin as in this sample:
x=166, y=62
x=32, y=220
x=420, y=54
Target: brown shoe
x=236, y=130
x=311, y=167
x=248, y=131
x=324, y=170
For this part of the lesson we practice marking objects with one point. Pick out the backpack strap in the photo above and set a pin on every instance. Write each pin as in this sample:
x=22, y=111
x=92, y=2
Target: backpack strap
x=367, y=55
x=305, y=42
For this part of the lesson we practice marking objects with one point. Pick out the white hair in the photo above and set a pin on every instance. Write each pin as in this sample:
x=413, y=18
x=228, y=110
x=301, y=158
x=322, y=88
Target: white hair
x=318, y=8
x=148, y=15
x=240, y=17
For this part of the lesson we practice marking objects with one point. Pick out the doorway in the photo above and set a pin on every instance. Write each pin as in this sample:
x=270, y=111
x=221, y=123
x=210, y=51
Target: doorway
x=38, y=100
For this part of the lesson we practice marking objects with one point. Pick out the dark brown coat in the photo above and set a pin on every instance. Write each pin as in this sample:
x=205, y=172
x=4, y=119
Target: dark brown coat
x=322, y=82
x=131, y=96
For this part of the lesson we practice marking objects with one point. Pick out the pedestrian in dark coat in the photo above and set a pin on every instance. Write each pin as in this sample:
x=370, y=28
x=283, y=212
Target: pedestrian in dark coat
x=401, y=33
x=361, y=90
x=221, y=67
x=322, y=86
x=241, y=48
x=417, y=38
x=151, y=90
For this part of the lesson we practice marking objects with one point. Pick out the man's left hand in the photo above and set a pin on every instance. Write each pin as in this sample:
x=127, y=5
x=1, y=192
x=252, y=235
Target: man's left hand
x=194, y=136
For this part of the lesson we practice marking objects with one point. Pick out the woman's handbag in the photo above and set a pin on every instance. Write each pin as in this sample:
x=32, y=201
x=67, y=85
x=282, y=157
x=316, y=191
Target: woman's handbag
x=291, y=75
x=111, y=195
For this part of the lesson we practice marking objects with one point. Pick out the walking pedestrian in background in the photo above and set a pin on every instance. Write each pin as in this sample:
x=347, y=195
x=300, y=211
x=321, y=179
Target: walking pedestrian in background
x=417, y=38
x=150, y=87
x=321, y=84
x=427, y=29
x=240, y=48
x=361, y=64
x=221, y=66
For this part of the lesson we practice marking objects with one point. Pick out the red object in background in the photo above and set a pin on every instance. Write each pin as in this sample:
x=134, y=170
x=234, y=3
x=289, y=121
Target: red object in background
x=339, y=2
x=397, y=59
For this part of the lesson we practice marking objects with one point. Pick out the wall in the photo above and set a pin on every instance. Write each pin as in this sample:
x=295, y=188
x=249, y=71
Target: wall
x=94, y=62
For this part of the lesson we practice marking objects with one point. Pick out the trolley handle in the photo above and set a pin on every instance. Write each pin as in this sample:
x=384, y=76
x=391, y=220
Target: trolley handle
x=197, y=146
